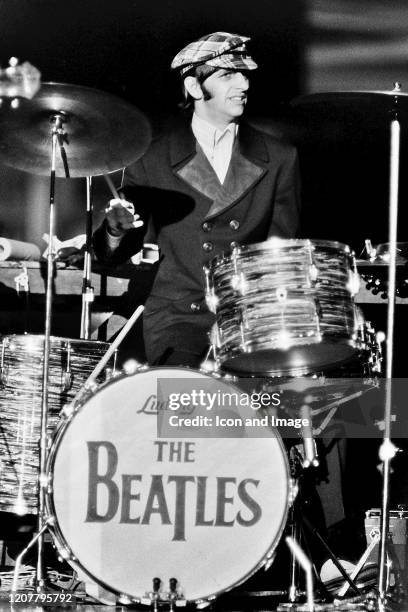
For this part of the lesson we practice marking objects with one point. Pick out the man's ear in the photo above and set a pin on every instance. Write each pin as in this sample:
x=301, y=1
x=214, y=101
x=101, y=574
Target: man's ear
x=193, y=87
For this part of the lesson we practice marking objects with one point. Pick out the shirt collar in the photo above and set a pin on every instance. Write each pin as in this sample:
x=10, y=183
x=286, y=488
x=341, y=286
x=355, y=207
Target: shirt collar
x=207, y=134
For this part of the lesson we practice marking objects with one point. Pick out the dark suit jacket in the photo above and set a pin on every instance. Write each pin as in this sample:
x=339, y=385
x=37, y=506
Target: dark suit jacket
x=194, y=217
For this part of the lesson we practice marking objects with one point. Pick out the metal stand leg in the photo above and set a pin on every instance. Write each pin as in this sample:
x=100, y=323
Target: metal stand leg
x=294, y=534
x=387, y=450
x=21, y=556
x=58, y=121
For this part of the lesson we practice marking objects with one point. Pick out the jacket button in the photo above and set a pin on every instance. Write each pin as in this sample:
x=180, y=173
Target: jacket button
x=207, y=226
x=195, y=307
x=234, y=224
x=208, y=246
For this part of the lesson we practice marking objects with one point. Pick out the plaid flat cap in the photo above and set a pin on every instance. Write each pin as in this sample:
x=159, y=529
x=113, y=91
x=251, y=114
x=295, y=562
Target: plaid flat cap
x=220, y=49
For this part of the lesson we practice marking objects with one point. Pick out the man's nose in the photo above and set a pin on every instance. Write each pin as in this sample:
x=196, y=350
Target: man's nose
x=241, y=81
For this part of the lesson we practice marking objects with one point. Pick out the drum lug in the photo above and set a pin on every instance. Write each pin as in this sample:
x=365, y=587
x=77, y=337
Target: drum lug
x=293, y=490
x=210, y=297
x=238, y=280
x=313, y=269
x=242, y=325
x=239, y=283
x=130, y=367
x=201, y=604
x=212, y=302
x=65, y=553
x=269, y=562
x=318, y=316
x=67, y=411
x=66, y=382
x=66, y=376
x=3, y=370
x=49, y=485
x=44, y=481
x=313, y=273
x=353, y=284
x=125, y=600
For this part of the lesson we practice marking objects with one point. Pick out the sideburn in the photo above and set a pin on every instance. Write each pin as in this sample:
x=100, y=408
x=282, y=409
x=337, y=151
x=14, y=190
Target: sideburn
x=202, y=73
x=206, y=93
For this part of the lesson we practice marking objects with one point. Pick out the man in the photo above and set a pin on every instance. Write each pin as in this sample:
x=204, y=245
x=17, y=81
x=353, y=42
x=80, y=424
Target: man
x=208, y=184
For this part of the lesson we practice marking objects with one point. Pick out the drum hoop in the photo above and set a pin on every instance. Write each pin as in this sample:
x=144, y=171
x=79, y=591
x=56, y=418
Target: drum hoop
x=278, y=243
x=294, y=372
x=63, y=544
x=61, y=339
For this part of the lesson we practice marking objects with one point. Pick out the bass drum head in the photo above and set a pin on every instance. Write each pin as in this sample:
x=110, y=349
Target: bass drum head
x=129, y=509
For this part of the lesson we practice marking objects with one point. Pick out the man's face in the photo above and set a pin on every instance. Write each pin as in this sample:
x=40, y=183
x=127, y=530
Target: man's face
x=225, y=95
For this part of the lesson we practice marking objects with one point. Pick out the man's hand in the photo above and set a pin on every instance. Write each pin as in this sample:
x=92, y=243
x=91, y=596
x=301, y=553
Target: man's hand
x=121, y=217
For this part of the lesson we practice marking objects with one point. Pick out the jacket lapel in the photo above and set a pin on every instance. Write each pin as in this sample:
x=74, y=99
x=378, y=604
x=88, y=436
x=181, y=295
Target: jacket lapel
x=247, y=167
x=241, y=176
x=199, y=173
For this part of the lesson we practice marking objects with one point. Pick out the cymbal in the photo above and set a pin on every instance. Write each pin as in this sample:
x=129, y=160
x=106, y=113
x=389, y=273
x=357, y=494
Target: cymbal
x=375, y=101
x=104, y=133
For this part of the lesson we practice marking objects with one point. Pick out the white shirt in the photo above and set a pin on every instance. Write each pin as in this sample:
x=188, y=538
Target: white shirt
x=216, y=144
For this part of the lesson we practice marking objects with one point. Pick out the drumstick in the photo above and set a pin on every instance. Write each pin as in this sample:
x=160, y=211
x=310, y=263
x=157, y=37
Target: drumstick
x=112, y=187
x=123, y=332
x=102, y=363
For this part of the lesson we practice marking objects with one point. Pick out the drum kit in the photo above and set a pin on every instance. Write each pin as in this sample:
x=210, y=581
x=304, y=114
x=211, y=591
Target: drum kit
x=141, y=516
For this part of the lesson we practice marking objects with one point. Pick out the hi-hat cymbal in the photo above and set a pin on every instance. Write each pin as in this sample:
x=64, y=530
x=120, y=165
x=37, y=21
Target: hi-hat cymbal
x=104, y=133
x=374, y=101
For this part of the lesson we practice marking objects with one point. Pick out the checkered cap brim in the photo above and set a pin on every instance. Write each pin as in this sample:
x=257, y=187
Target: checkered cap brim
x=221, y=50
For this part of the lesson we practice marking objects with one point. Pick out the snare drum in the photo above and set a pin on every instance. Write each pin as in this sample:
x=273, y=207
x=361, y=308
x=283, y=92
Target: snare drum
x=284, y=307
x=129, y=507
x=21, y=370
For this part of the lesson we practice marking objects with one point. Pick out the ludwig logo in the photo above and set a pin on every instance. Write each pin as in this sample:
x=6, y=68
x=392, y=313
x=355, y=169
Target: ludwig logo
x=150, y=406
x=154, y=407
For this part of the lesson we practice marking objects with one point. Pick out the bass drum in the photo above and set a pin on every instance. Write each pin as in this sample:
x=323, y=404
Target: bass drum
x=129, y=506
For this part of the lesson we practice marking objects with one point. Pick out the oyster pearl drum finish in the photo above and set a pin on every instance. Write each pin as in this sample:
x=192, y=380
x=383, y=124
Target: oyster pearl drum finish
x=130, y=506
x=21, y=364
x=284, y=307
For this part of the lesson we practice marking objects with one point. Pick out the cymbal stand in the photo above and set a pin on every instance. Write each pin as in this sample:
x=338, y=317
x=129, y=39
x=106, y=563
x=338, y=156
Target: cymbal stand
x=58, y=138
x=387, y=449
x=87, y=289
